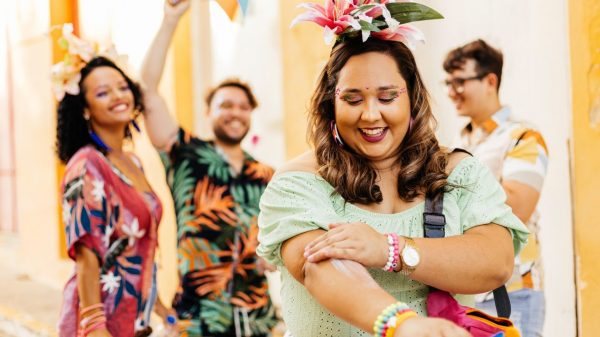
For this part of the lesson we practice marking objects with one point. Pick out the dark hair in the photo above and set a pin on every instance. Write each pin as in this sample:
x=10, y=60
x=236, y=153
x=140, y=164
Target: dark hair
x=235, y=83
x=71, y=127
x=488, y=60
x=422, y=163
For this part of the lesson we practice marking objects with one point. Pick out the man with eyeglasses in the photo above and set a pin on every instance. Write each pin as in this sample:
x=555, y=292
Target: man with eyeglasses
x=516, y=154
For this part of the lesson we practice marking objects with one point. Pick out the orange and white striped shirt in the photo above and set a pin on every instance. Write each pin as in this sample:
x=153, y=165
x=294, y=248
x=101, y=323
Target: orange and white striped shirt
x=513, y=150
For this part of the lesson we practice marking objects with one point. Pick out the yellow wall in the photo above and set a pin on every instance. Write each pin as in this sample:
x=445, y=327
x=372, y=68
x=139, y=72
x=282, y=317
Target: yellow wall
x=304, y=54
x=585, y=54
x=61, y=12
x=183, y=73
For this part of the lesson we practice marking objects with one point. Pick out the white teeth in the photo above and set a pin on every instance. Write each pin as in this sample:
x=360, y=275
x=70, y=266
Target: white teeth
x=120, y=107
x=372, y=132
x=235, y=124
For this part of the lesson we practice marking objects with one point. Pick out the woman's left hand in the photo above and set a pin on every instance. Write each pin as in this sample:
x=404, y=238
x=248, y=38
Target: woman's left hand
x=351, y=241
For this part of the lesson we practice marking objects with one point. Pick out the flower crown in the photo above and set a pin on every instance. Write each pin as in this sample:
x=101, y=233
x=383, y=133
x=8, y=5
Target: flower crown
x=66, y=74
x=382, y=19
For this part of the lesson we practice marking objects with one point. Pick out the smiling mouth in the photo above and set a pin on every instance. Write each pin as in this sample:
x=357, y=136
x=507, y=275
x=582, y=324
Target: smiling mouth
x=235, y=124
x=373, y=132
x=121, y=107
x=373, y=135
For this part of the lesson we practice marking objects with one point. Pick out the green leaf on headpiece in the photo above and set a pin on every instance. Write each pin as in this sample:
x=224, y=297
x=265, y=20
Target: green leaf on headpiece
x=362, y=9
x=63, y=43
x=406, y=12
x=379, y=23
x=364, y=25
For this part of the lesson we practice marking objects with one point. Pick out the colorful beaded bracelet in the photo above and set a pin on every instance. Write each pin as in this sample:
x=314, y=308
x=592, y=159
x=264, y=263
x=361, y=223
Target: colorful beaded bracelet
x=390, y=318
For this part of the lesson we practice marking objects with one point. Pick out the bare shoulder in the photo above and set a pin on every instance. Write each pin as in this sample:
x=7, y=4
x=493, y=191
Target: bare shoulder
x=306, y=162
x=454, y=158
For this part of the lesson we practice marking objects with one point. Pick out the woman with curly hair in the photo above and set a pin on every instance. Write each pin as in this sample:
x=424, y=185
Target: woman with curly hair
x=334, y=217
x=110, y=212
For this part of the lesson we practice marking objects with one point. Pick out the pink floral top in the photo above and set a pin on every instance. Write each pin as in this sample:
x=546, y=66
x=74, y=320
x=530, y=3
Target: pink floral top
x=105, y=213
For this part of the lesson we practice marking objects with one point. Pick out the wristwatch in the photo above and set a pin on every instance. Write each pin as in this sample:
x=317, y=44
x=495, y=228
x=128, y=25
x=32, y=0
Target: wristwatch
x=410, y=257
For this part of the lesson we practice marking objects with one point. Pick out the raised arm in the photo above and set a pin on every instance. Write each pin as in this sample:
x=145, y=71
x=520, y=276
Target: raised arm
x=160, y=124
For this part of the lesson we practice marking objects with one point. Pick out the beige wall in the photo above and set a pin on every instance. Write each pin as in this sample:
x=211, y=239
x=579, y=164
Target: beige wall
x=38, y=246
x=7, y=170
x=250, y=48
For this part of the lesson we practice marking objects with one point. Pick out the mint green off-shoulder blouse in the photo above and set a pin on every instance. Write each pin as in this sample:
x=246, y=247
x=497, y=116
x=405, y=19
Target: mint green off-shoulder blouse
x=297, y=202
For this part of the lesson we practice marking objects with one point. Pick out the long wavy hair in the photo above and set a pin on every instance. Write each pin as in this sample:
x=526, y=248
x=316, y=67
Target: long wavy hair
x=71, y=127
x=422, y=163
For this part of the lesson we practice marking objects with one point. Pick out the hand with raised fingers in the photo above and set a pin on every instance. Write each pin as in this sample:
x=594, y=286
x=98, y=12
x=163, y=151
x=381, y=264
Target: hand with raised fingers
x=174, y=9
x=351, y=241
x=430, y=327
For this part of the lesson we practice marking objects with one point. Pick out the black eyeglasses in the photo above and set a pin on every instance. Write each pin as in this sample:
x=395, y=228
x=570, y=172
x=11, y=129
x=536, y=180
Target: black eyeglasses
x=458, y=83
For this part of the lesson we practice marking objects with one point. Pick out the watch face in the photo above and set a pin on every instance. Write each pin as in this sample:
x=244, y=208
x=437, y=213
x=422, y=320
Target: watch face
x=410, y=256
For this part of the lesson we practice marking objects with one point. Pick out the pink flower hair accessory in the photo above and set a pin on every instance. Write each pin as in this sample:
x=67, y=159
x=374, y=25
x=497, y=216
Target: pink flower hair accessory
x=382, y=19
x=66, y=74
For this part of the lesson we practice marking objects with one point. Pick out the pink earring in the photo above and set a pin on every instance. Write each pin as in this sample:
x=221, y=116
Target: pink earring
x=410, y=124
x=336, y=134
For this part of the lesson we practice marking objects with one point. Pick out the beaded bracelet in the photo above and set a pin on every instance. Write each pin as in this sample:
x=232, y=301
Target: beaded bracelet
x=390, y=318
x=394, y=322
x=393, y=252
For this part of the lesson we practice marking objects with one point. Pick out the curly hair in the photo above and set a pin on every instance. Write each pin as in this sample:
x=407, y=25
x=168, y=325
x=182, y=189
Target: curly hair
x=71, y=127
x=421, y=160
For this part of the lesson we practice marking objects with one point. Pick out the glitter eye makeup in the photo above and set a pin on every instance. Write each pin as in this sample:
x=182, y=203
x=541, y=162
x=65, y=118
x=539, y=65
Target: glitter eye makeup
x=352, y=98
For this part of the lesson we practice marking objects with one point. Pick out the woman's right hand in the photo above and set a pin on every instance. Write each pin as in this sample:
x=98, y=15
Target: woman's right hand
x=174, y=9
x=99, y=333
x=430, y=327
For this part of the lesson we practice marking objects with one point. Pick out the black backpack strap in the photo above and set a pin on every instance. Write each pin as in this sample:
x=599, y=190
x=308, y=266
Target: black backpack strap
x=434, y=223
x=502, y=302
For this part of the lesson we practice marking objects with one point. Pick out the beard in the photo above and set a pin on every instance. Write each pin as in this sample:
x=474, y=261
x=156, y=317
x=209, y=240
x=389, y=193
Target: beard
x=222, y=136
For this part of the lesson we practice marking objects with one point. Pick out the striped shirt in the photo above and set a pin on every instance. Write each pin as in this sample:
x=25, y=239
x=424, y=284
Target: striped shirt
x=513, y=150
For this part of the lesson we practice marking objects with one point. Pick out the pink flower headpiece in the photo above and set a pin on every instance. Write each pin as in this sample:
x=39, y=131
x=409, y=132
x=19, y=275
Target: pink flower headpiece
x=66, y=74
x=382, y=19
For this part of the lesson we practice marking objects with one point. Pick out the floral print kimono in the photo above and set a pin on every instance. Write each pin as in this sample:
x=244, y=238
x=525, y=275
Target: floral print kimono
x=104, y=212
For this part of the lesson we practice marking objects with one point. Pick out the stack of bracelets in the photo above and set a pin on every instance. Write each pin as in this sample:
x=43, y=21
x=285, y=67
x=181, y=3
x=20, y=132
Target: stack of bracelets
x=393, y=252
x=390, y=319
x=91, y=318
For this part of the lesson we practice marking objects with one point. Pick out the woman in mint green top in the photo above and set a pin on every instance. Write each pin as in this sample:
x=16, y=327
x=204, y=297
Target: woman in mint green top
x=324, y=215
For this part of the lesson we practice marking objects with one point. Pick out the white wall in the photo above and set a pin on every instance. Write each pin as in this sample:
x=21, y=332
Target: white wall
x=249, y=48
x=536, y=83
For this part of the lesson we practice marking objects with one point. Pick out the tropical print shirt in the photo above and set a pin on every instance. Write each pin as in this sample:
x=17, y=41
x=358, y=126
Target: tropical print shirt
x=103, y=212
x=513, y=150
x=223, y=290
